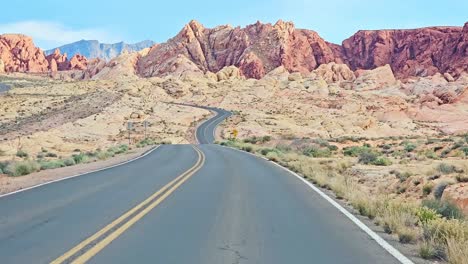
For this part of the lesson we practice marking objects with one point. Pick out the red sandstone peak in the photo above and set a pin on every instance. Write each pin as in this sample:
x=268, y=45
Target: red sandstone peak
x=19, y=54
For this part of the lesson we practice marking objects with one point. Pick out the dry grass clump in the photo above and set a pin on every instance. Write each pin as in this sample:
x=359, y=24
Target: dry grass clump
x=437, y=235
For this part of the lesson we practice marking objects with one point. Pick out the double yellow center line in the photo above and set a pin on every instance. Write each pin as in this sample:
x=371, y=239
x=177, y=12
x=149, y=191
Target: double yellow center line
x=88, y=248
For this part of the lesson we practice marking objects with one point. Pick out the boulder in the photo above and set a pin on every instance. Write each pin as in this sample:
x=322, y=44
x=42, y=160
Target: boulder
x=227, y=73
x=333, y=72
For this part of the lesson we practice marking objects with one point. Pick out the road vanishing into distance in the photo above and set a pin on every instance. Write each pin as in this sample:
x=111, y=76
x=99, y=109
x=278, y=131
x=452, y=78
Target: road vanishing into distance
x=182, y=204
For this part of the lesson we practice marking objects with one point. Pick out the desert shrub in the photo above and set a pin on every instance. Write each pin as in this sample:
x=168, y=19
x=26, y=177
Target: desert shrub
x=51, y=155
x=407, y=235
x=445, y=168
x=247, y=148
x=427, y=250
x=367, y=157
x=316, y=152
x=47, y=165
x=431, y=155
x=427, y=188
x=22, y=154
x=40, y=155
x=102, y=155
x=3, y=165
x=266, y=139
x=22, y=168
x=382, y=161
x=402, y=176
x=283, y=148
x=146, y=142
x=273, y=156
x=425, y=215
x=439, y=190
x=69, y=162
x=409, y=147
x=465, y=150
x=166, y=142
x=355, y=151
x=457, y=252
x=445, y=208
x=265, y=151
x=462, y=177
x=386, y=146
x=80, y=158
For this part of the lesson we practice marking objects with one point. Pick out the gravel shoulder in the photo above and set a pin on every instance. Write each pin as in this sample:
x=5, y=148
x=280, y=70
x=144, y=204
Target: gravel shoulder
x=11, y=184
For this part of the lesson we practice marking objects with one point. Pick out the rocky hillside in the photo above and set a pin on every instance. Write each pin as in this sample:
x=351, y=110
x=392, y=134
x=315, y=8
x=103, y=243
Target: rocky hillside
x=259, y=48
x=19, y=54
x=256, y=50
x=94, y=49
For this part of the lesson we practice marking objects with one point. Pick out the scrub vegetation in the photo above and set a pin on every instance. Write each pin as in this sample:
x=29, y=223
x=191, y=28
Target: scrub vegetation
x=436, y=225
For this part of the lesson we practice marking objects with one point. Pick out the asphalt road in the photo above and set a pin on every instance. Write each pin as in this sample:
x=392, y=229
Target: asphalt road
x=182, y=204
x=206, y=131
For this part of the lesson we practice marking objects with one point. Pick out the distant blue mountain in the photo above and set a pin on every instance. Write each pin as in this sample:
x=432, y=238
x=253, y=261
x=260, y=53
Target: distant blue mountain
x=95, y=49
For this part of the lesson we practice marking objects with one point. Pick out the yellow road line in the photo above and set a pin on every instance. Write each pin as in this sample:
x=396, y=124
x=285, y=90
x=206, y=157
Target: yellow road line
x=103, y=243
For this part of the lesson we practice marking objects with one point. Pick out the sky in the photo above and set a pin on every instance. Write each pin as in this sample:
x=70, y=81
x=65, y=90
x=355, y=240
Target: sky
x=53, y=23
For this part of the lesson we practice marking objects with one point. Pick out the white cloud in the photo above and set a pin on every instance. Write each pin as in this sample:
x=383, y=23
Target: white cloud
x=49, y=35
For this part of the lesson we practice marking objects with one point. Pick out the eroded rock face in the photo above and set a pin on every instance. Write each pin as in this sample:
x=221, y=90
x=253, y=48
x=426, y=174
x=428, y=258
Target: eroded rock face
x=260, y=48
x=413, y=52
x=255, y=49
x=78, y=62
x=333, y=72
x=19, y=54
x=57, y=61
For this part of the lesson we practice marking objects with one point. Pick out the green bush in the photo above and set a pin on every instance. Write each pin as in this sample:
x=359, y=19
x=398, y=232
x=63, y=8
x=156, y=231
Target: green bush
x=443, y=208
x=425, y=215
x=22, y=168
x=80, y=158
x=367, y=157
x=53, y=164
x=266, y=139
x=445, y=168
x=145, y=142
x=355, y=151
x=69, y=162
x=382, y=161
x=22, y=154
x=465, y=150
x=431, y=155
x=409, y=147
x=317, y=152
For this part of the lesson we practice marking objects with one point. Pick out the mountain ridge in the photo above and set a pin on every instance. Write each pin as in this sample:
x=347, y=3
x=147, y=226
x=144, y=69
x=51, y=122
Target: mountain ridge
x=94, y=49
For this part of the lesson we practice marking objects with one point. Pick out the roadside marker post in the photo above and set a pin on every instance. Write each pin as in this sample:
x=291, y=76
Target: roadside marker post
x=129, y=128
x=145, y=124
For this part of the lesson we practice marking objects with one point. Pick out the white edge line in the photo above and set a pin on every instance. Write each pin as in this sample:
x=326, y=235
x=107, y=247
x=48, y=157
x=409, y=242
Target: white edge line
x=81, y=174
x=384, y=244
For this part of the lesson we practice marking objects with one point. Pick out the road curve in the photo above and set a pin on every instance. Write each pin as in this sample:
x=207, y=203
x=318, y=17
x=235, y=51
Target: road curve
x=182, y=204
x=205, y=133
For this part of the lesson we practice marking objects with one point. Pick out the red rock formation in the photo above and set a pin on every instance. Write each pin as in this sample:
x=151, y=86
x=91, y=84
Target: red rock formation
x=19, y=54
x=57, y=61
x=78, y=62
x=260, y=48
x=412, y=52
x=255, y=49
